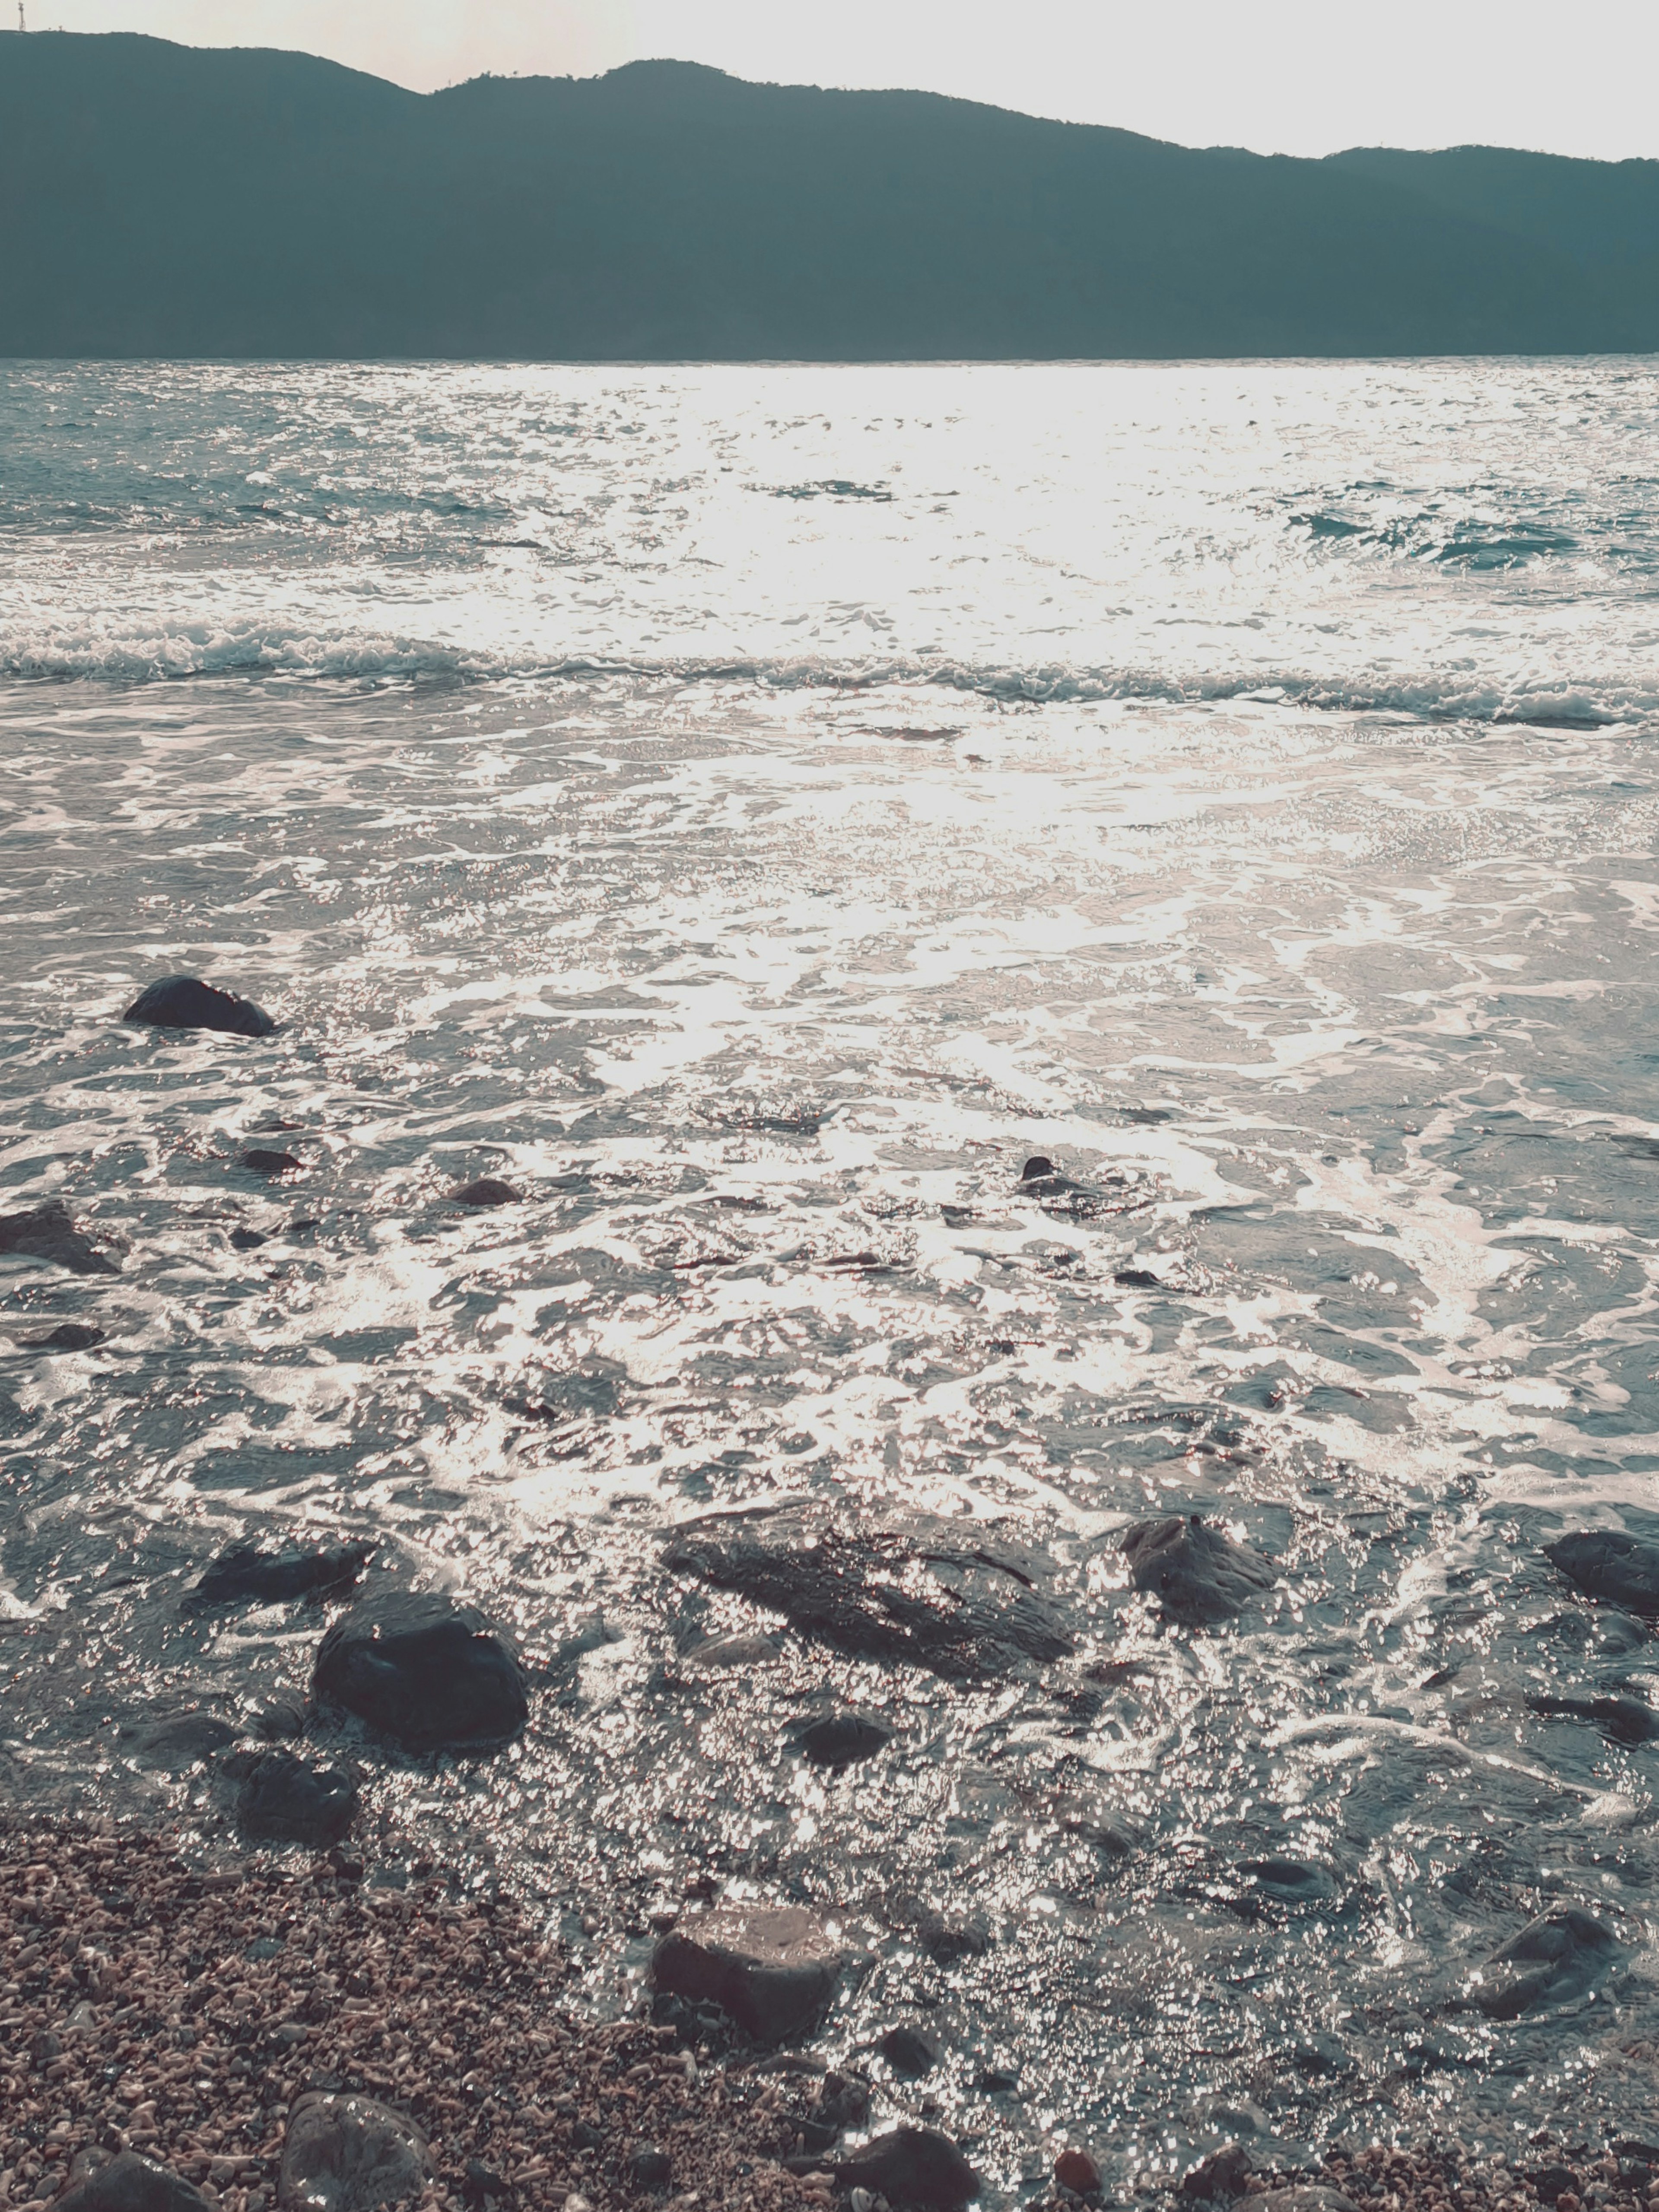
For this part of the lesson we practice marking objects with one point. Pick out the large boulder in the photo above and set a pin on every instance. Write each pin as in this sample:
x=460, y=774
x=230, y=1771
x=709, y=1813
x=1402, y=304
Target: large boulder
x=433, y=1675
x=1554, y=1959
x=772, y=1969
x=1193, y=1570
x=46, y=1233
x=284, y=1801
x=949, y=1596
x=184, y=1002
x=242, y=1572
x=1607, y=1564
x=344, y=2154
x=130, y=2184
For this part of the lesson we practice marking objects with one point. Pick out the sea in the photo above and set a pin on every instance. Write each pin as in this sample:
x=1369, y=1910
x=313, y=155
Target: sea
x=752, y=811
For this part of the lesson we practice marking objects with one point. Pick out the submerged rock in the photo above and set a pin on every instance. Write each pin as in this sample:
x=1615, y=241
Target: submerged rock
x=771, y=1968
x=1610, y=1565
x=842, y=1739
x=130, y=2184
x=345, y=2153
x=1076, y=2171
x=283, y=1801
x=68, y=1336
x=179, y=1739
x=432, y=1674
x=949, y=1596
x=911, y=2166
x=1193, y=1570
x=271, y=1164
x=1553, y=1959
x=242, y=1572
x=486, y=1191
x=1220, y=2177
x=184, y=1002
x=46, y=1233
x=1621, y=1720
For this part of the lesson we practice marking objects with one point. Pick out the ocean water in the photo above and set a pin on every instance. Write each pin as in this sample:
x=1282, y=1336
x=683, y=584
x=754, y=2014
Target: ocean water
x=752, y=810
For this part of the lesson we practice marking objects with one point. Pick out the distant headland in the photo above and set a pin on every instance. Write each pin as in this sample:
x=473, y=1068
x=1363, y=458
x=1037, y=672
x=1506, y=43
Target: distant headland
x=166, y=200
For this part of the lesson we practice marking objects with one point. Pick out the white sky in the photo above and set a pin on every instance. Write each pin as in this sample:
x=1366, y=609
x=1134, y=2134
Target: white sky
x=1299, y=76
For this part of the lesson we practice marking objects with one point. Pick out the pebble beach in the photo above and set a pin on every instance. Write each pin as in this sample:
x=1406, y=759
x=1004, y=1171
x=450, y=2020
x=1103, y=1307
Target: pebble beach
x=148, y=2006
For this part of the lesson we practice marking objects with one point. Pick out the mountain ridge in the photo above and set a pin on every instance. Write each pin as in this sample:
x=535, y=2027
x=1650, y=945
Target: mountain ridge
x=175, y=202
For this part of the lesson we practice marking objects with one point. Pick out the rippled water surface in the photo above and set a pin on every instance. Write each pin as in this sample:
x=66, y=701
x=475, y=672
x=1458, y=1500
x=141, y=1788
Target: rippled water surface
x=751, y=810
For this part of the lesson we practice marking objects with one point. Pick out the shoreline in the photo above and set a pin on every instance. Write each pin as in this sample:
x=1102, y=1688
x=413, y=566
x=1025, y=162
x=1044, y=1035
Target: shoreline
x=147, y=2005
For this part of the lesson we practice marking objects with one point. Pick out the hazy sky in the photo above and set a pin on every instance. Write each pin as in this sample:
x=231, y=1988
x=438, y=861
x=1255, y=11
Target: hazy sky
x=1301, y=77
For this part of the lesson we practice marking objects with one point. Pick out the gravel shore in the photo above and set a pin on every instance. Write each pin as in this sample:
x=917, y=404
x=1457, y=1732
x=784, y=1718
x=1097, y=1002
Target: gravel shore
x=147, y=2005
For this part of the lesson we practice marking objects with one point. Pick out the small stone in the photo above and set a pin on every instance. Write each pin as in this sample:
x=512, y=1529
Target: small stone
x=488, y=1190
x=736, y=1650
x=483, y=2185
x=348, y=2153
x=910, y=2052
x=282, y=1714
x=271, y=1164
x=912, y=2167
x=649, y=2168
x=44, y=2047
x=1554, y=2182
x=1076, y=2171
x=130, y=2184
x=184, y=1002
x=772, y=1968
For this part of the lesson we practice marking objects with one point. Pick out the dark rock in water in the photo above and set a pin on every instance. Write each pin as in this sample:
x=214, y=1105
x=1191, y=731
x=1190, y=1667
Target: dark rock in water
x=772, y=1968
x=247, y=1240
x=649, y=2168
x=911, y=2166
x=1194, y=1570
x=950, y=1596
x=283, y=1801
x=1553, y=1959
x=180, y=1741
x=1220, y=2177
x=1038, y=1169
x=1293, y=1880
x=130, y=2184
x=45, y=1232
x=282, y=1714
x=945, y=1936
x=842, y=1739
x=486, y=1191
x=243, y=1573
x=184, y=1002
x=432, y=1674
x=1621, y=1720
x=271, y=1164
x=68, y=1336
x=344, y=2154
x=910, y=2052
x=1607, y=1564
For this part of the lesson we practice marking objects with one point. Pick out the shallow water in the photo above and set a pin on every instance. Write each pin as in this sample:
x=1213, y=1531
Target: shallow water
x=752, y=811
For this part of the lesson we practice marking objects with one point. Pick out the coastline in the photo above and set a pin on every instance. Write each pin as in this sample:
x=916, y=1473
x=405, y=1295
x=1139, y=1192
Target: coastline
x=152, y=2007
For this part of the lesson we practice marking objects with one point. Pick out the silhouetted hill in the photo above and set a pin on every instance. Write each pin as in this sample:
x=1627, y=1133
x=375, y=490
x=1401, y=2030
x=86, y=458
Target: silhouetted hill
x=167, y=200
